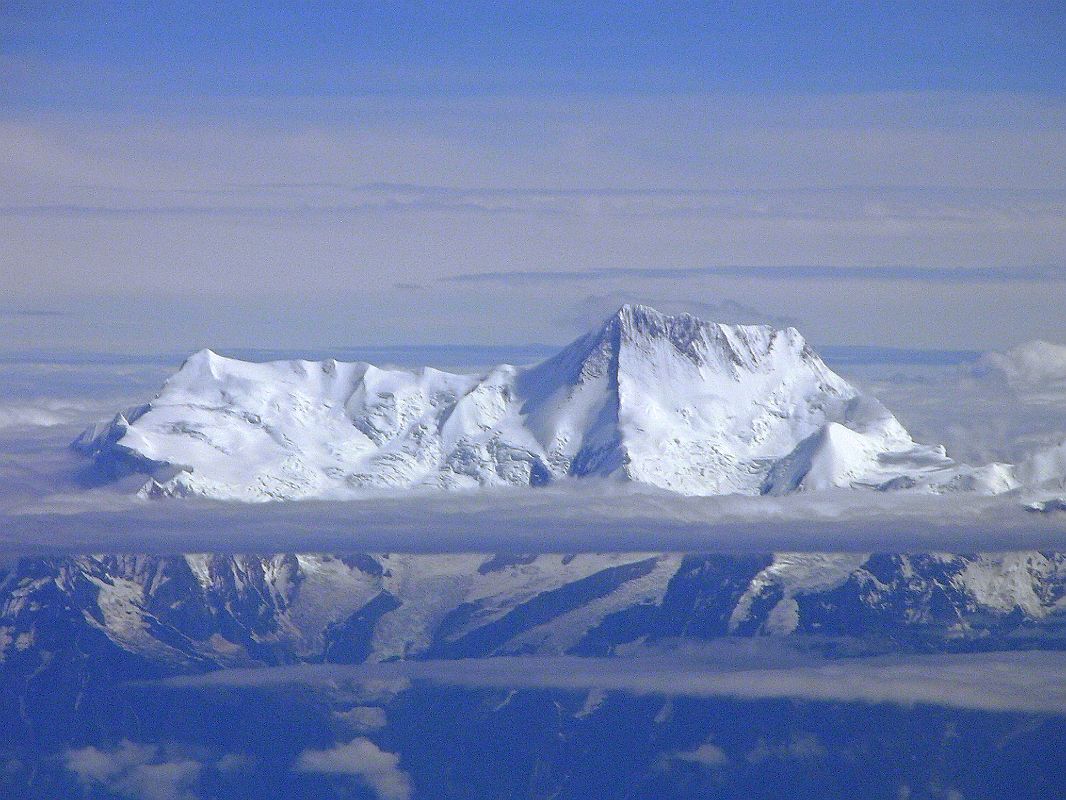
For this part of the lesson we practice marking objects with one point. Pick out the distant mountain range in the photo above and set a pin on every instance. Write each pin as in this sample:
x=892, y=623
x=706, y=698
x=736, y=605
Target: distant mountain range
x=83, y=640
x=175, y=614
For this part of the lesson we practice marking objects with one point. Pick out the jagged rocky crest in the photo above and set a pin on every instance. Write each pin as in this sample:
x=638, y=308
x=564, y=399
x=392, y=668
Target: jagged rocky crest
x=670, y=401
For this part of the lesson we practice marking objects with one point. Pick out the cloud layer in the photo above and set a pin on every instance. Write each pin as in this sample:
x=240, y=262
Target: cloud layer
x=1004, y=406
x=951, y=195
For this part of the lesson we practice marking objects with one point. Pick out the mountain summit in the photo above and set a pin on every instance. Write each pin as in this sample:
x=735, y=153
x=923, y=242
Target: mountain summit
x=672, y=401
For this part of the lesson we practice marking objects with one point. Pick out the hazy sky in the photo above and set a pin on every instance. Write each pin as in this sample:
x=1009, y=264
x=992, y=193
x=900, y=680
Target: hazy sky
x=396, y=173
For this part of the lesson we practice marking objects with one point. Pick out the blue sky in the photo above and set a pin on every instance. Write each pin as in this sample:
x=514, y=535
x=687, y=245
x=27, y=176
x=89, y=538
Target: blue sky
x=295, y=175
x=285, y=49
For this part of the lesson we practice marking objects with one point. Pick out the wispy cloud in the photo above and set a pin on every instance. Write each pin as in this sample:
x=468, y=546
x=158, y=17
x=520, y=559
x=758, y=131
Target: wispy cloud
x=707, y=755
x=877, y=204
x=362, y=193
x=31, y=311
x=44, y=413
x=1025, y=274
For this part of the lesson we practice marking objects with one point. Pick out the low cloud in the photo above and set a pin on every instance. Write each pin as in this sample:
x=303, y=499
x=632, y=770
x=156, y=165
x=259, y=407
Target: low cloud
x=1046, y=467
x=1035, y=367
x=568, y=517
x=571, y=517
x=362, y=719
x=707, y=755
x=1033, y=682
x=43, y=414
x=136, y=771
x=363, y=759
x=1002, y=406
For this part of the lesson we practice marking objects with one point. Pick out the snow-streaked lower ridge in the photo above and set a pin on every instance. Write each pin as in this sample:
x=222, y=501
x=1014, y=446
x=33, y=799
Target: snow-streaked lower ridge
x=204, y=611
x=670, y=401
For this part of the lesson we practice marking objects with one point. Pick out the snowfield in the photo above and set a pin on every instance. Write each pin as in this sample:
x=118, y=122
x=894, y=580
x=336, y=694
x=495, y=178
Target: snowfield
x=670, y=401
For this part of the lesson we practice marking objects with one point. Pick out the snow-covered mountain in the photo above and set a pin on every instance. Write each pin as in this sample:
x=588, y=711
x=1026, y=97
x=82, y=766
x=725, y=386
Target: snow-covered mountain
x=671, y=401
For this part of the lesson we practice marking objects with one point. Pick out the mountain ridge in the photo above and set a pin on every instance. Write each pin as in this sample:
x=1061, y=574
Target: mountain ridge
x=671, y=401
x=207, y=611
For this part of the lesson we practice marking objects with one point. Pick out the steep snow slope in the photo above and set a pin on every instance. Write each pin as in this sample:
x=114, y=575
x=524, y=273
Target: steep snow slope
x=671, y=401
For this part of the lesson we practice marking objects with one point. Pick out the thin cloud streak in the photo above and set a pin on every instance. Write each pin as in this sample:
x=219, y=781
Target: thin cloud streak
x=881, y=204
x=12, y=311
x=1027, y=274
x=1033, y=682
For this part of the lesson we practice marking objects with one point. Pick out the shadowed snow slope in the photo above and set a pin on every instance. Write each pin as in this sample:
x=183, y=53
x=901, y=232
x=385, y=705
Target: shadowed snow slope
x=672, y=401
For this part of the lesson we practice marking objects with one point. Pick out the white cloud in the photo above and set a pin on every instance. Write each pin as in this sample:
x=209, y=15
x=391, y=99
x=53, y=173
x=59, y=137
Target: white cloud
x=1035, y=368
x=364, y=759
x=1046, y=467
x=1004, y=406
x=561, y=518
x=41, y=414
x=362, y=719
x=94, y=765
x=1000, y=681
x=135, y=771
x=707, y=754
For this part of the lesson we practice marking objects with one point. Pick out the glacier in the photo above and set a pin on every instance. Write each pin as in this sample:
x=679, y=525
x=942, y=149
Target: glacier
x=674, y=402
